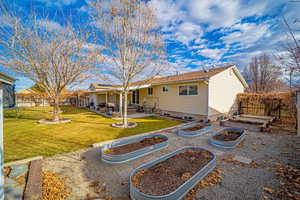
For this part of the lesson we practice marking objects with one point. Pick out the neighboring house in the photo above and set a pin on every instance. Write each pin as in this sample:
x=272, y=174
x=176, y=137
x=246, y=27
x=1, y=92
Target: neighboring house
x=34, y=96
x=78, y=98
x=31, y=97
x=198, y=95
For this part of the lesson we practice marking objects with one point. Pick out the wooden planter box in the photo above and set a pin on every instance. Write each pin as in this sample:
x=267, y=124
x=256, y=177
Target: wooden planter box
x=123, y=158
x=180, y=191
x=245, y=124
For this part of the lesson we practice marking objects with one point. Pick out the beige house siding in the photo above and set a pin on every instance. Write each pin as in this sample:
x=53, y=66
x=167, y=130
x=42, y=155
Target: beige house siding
x=172, y=101
x=223, y=89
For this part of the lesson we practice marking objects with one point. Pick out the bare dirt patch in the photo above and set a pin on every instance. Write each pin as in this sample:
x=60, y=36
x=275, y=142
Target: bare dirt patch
x=167, y=176
x=228, y=136
x=127, y=148
x=121, y=125
x=50, y=121
x=193, y=128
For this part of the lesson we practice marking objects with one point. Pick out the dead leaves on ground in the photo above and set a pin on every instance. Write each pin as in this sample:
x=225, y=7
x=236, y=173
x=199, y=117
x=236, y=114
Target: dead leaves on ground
x=54, y=187
x=213, y=178
x=290, y=188
x=6, y=171
x=229, y=159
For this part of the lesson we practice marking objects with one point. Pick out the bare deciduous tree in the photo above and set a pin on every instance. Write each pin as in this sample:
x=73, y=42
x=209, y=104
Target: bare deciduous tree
x=263, y=75
x=51, y=55
x=133, y=46
x=289, y=55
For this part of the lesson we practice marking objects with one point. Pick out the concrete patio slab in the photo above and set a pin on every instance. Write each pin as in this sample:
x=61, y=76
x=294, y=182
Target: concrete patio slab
x=242, y=159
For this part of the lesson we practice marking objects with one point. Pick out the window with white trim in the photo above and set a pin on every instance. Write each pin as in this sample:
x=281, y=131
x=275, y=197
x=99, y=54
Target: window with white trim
x=150, y=91
x=188, y=90
x=165, y=89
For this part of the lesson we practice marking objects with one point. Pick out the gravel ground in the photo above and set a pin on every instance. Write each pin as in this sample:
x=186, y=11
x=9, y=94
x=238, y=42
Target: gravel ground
x=88, y=178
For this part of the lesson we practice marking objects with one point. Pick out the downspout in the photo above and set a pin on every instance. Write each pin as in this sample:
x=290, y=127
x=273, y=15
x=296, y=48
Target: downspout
x=207, y=107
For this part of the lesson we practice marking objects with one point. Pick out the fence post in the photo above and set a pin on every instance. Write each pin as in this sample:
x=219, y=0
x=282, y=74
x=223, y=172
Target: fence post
x=240, y=108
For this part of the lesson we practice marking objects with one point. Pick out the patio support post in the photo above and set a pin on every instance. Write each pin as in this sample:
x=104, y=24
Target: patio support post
x=121, y=104
x=106, y=97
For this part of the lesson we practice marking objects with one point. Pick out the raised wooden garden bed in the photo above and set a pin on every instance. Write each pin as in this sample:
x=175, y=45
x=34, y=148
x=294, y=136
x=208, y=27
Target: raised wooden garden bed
x=249, y=124
x=194, y=129
x=227, y=138
x=173, y=175
x=258, y=117
x=129, y=149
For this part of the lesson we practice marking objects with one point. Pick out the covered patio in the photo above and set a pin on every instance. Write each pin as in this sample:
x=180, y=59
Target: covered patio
x=107, y=100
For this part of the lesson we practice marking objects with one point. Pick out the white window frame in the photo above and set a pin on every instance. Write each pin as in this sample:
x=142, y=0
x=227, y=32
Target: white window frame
x=188, y=90
x=148, y=89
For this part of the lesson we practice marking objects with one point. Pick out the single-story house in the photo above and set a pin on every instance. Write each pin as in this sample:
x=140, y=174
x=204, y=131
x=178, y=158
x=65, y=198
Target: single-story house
x=205, y=94
x=30, y=97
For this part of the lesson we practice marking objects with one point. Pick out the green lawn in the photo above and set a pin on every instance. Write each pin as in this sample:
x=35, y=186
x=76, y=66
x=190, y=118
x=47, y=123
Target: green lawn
x=24, y=137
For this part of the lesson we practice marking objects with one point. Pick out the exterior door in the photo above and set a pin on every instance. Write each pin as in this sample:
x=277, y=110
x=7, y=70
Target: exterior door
x=135, y=97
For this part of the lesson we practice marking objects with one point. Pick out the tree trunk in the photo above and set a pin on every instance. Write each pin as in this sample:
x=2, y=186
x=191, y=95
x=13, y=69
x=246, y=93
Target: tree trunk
x=56, y=110
x=125, y=119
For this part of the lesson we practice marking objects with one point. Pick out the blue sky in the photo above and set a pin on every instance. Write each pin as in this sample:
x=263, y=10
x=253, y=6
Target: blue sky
x=197, y=32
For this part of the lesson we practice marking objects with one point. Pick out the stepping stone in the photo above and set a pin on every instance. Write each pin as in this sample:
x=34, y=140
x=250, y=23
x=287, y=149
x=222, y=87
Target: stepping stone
x=33, y=190
x=242, y=159
x=18, y=170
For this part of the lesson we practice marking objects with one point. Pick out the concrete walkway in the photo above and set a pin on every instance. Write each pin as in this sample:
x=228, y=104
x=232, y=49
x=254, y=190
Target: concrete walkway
x=89, y=178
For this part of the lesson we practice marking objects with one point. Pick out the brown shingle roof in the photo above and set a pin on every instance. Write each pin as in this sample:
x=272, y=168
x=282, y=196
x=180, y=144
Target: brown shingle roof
x=103, y=85
x=190, y=76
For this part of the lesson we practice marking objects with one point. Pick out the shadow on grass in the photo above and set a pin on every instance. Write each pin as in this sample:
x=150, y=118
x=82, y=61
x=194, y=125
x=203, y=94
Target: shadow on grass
x=73, y=110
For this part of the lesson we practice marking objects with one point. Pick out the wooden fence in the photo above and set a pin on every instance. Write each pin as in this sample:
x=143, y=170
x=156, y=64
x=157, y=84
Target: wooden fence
x=282, y=106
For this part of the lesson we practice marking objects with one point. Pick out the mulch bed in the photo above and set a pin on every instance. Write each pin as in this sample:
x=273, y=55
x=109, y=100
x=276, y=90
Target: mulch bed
x=127, y=148
x=193, y=128
x=167, y=176
x=228, y=136
x=54, y=187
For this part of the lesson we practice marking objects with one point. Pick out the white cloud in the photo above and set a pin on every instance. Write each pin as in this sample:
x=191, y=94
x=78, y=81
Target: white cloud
x=50, y=25
x=212, y=53
x=187, y=32
x=168, y=12
x=247, y=34
x=217, y=13
x=57, y=2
